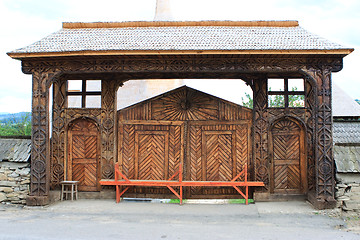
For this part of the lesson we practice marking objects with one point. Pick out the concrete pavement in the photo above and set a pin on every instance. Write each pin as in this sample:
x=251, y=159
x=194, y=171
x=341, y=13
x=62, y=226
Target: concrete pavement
x=104, y=219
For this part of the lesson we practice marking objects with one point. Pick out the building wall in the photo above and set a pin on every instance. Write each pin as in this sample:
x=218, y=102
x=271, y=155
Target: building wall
x=14, y=182
x=348, y=191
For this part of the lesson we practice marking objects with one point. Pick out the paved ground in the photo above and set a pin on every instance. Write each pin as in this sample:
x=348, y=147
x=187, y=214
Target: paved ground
x=104, y=219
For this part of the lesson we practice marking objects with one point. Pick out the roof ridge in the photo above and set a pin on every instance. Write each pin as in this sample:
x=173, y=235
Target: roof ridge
x=288, y=23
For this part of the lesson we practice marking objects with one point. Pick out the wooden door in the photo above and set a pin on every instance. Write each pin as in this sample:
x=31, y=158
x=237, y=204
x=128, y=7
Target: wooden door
x=84, y=155
x=288, y=162
x=217, y=152
x=150, y=152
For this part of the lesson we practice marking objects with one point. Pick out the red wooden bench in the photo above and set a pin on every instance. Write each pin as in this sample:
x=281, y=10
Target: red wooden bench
x=170, y=183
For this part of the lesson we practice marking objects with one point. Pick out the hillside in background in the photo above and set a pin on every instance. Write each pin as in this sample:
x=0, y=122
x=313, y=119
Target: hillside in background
x=15, y=124
x=5, y=117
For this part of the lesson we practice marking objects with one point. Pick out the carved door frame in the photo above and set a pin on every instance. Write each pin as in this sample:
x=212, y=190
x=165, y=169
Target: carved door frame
x=69, y=165
x=302, y=156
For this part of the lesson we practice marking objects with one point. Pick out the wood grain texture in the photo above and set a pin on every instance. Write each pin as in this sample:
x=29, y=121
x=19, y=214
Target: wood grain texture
x=217, y=152
x=288, y=169
x=184, y=126
x=185, y=104
x=150, y=152
x=84, y=155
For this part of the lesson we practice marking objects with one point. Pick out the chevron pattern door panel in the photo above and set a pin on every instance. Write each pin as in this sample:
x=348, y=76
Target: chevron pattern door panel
x=150, y=152
x=287, y=176
x=217, y=152
x=151, y=149
x=83, y=155
x=218, y=155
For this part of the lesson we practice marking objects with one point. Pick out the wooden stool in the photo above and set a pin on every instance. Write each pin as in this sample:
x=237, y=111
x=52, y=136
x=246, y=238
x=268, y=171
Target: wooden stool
x=69, y=187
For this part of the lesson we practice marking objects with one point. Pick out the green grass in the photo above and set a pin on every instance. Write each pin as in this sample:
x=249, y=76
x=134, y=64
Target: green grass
x=240, y=201
x=175, y=201
x=231, y=201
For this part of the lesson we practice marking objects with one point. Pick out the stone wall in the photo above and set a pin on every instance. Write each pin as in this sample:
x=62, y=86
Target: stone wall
x=348, y=192
x=14, y=182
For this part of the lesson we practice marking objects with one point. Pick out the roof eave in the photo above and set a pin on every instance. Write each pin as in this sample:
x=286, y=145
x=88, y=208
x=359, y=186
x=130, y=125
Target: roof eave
x=17, y=55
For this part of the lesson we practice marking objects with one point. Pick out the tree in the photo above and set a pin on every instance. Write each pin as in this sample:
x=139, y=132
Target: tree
x=249, y=102
x=16, y=126
x=277, y=100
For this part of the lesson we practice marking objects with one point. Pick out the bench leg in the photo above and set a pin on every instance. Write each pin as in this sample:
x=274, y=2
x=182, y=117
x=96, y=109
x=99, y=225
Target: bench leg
x=118, y=195
x=62, y=193
x=242, y=194
x=72, y=192
x=181, y=194
x=247, y=195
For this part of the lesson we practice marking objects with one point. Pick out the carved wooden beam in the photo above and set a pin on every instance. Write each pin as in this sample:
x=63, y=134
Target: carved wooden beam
x=183, y=63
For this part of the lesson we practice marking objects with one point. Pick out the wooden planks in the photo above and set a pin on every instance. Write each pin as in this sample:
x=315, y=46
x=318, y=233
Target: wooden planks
x=288, y=161
x=208, y=135
x=83, y=155
x=122, y=180
x=218, y=151
x=150, y=152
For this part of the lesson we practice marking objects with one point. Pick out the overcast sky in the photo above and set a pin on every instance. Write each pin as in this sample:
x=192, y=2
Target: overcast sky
x=26, y=21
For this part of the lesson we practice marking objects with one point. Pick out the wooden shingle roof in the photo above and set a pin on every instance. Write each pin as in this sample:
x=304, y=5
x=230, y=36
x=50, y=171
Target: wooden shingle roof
x=205, y=37
x=15, y=149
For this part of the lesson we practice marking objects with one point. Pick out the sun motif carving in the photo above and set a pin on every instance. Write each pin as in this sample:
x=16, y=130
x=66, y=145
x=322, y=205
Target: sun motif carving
x=186, y=104
x=286, y=126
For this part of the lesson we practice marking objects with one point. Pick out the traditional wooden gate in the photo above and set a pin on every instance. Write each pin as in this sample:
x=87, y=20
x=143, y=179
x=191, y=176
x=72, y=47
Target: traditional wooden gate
x=83, y=161
x=288, y=160
x=209, y=136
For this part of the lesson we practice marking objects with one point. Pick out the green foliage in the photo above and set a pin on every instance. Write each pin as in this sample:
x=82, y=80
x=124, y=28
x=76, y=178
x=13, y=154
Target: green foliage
x=20, y=126
x=248, y=102
x=296, y=100
x=277, y=100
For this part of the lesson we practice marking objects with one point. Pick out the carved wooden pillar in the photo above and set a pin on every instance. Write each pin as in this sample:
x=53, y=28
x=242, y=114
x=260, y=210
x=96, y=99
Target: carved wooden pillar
x=108, y=115
x=310, y=120
x=58, y=132
x=40, y=151
x=260, y=135
x=323, y=197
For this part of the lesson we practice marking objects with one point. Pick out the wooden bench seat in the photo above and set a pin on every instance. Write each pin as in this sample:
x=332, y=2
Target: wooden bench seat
x=170, y=183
